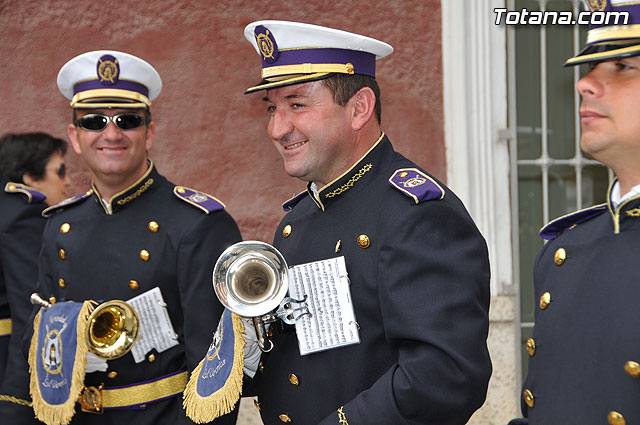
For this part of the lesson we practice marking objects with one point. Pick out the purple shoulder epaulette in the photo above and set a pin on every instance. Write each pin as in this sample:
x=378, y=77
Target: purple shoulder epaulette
x=201, y=200
x=49, y=212
x=569, y=221
x=288, y=206
x=31, y=194
x=416, y=185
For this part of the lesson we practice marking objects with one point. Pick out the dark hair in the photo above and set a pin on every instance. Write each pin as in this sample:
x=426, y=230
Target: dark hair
x=344, y=86
x=27, y=153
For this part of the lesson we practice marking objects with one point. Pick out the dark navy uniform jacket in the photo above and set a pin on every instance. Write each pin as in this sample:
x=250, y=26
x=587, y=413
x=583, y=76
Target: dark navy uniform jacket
x=157, y=235
x=419, y=276
x=585, y=350
x=21, y=225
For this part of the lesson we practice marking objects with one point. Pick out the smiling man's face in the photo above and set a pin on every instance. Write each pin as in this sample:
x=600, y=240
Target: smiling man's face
x=312, y=133
x=115, y=157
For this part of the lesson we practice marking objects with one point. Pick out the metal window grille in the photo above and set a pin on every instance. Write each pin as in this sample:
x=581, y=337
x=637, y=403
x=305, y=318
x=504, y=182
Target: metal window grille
x=549, y=178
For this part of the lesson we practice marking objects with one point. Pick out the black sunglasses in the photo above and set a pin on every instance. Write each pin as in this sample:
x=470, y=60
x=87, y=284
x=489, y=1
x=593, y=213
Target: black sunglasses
x=98, y=122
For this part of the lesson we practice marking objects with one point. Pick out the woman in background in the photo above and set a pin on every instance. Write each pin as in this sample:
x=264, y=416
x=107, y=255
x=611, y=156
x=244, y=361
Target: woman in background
x=32, y=177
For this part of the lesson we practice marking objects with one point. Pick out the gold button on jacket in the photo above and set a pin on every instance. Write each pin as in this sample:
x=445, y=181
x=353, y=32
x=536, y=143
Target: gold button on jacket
x=616, y=418
x=294, y=380
x=560, y=256
x=286, y=419
x=531, y=346
x=528, y=398
x=545, y=300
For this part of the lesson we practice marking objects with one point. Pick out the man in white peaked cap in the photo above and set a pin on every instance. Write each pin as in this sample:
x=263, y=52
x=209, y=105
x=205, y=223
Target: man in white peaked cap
x=584, y=354
x=418, y=266
x=132, y=232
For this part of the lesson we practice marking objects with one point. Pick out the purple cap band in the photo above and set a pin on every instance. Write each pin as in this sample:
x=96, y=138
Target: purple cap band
x=632, y=9
x=121, y=84
x=363, y=62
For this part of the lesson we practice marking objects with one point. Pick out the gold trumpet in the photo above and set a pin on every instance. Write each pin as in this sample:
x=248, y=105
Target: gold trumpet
x=112, y=327
x=251, y=278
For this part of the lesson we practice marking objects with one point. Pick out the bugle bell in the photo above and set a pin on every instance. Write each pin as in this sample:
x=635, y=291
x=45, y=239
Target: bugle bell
x=251, y=278
x=112, y=327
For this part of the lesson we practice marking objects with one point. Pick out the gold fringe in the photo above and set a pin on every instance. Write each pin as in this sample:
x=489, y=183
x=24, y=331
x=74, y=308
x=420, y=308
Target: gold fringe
x=60, y=414
x=206, y=409
x=15, y=400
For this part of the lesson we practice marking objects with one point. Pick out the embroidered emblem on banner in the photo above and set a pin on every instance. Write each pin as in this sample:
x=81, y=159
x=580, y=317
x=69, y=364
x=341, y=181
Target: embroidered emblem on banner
x=215, y=385
x=57, y=360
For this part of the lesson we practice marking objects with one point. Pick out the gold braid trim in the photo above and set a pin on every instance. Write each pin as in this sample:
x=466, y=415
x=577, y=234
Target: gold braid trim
x=15, y=400
x=145, y=393
x=135, y=194
x=350, y=183
x=5, y=327
x=205, y=409
x=60, y=414
x=342, y=417
x=634, y=212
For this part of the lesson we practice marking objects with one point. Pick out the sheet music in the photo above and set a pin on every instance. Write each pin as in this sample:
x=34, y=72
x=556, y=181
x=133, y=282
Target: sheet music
x=156, y=330
x=332, y=323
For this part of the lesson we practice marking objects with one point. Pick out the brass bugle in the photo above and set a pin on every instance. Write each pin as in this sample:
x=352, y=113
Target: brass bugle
x=112, y=327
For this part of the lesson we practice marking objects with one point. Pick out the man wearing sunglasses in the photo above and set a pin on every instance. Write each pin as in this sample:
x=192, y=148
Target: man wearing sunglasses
x=131, y=232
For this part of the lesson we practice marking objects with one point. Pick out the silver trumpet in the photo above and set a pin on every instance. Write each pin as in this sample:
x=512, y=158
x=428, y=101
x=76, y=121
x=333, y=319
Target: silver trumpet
x=251, y=279
x=112, y=329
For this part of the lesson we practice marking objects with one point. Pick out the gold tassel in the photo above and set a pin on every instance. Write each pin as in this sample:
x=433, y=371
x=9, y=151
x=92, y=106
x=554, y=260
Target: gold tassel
x=205, y=409
x=60, y=414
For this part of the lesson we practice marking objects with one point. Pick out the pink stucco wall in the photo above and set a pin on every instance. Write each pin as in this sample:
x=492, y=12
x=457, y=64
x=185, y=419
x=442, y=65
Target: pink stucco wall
x=211, y=136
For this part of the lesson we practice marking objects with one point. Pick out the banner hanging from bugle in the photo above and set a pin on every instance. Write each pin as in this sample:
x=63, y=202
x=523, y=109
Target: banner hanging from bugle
x=215, y=385
x=57, y=359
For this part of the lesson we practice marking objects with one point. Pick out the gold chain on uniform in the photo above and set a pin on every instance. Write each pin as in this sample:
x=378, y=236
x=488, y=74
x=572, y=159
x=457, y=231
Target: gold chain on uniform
x=634, y=212
x=342, y=418
x=137, y=193
x=350, y=183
